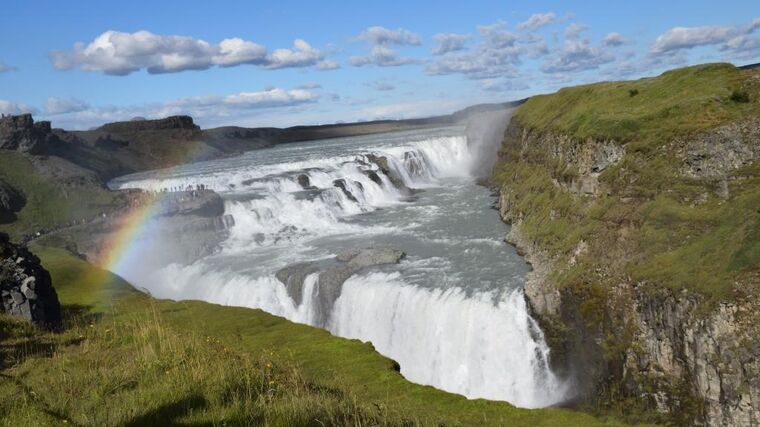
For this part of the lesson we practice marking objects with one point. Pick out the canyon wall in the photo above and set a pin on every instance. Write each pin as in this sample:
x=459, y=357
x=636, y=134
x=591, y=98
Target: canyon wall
x=681, y=355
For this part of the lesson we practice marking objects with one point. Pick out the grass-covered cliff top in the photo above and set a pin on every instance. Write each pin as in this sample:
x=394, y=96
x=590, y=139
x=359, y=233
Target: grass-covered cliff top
x=679, y=209
x=674, y=103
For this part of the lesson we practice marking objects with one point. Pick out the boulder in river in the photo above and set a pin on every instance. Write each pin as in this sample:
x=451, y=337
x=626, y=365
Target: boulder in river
x=332, y=274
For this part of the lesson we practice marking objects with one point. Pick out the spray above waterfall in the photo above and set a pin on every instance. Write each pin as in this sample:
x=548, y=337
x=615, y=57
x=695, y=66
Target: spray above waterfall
x=451, y=312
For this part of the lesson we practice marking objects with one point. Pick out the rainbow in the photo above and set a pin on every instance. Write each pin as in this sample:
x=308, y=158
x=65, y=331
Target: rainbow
x=123, y=247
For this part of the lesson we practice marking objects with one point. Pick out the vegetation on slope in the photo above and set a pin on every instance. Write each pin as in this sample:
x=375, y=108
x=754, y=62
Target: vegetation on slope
x=126, y=359
x=49, y=202
x=654, y=224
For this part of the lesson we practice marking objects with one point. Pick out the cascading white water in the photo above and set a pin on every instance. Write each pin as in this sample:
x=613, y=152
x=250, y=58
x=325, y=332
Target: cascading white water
x=452, y=314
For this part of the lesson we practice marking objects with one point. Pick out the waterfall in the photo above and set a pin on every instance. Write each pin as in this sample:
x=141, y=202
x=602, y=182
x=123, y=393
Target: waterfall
x=455, y=334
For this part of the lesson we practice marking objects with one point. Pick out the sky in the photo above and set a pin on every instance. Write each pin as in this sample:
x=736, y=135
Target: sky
x=282, y=63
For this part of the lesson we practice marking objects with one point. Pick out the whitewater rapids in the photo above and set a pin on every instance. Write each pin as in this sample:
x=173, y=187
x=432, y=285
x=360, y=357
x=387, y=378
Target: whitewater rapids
x=452, y=313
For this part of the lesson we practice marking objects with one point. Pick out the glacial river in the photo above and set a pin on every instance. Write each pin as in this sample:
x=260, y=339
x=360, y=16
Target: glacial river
x=451, y=313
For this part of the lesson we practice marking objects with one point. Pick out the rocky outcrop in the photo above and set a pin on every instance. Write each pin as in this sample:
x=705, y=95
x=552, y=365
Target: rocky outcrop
x=26, y=290
x=332, y=273
x=180, y=227
x=23, y=134
x=708, y=365
x=381, y=162
x=578, y=163
x=172, y=122
x=713, y=154
x=11, y=201
x=668, y=351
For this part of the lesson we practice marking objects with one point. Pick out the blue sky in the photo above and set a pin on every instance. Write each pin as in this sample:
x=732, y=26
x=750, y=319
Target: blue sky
x=284, y=63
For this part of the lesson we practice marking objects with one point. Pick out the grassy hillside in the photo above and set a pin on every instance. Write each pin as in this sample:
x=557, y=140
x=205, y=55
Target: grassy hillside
x=49, y=201
x=127, y=359
x=653, y=223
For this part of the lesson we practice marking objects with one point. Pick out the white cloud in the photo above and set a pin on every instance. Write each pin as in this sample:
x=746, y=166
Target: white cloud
x=205, y=109
x=573, y=31
x=237, y=51
x=62, y=106
x=496, y=55
x=327, y=65
x=10, y=107
x=382, y=56
x=576, y=55
x=302, y=55
x=4, y=68
x=680, y=38
x=119, y=53
x=449, y=42
x=383, y=36
x=380, y=39
x=537, y=20
x=744, y=47
x=613, y=39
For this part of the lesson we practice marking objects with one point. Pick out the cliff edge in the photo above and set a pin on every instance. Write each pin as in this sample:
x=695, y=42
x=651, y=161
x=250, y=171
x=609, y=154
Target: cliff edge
x=637, y=204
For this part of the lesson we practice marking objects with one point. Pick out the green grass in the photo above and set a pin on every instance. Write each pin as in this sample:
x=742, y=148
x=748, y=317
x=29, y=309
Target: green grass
x=127, y=359
x=48, y=201
x=676, y=103
x=650, y=228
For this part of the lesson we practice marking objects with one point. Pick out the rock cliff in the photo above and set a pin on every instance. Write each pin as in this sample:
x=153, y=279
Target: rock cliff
x=26, y=290
x=669, y=351
x=23, y=134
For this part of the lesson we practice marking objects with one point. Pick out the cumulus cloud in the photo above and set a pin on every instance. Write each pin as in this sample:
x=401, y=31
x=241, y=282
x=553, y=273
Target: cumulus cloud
x=681, y=38
x=4, y=68
x=576, y=55
x=327, y=64
x=119, y=53
x=449, y=42
x=613, y=39
x=381, y=54
x=744, y=47
x=383, y=36
x=55, y=106
x=205, y=109
x=537, y=20
x=302, y=55
x=496, y=55
x=573, y=31
x=10, y=107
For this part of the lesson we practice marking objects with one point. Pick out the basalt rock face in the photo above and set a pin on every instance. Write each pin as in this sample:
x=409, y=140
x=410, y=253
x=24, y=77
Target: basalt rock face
x=172, y=122
x=26, y=290
x=696, y=363
x=23, y=134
